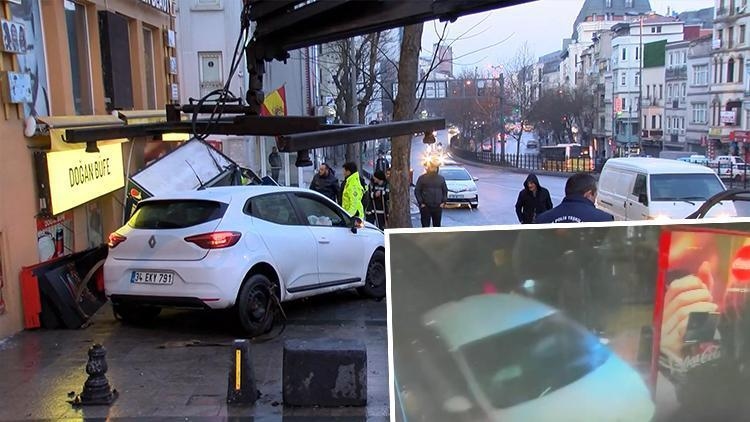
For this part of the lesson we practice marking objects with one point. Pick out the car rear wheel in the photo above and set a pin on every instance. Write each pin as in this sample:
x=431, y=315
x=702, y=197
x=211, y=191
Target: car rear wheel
x=136, y=314
x=475, y=206
x=256, y=305
x=375, y=281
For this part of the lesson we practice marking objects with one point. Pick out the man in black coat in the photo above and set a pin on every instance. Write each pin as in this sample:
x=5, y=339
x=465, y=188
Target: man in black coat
x=578, y=204
x=326, y=183
x=431, y=193
x=532, y=200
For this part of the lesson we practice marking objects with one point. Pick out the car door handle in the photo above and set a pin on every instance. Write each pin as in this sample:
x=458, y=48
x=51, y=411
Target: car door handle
x=323, y=240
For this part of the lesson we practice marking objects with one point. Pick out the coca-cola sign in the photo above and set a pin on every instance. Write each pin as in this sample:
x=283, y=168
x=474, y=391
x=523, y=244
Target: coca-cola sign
x=165, y=6
x=708, y=354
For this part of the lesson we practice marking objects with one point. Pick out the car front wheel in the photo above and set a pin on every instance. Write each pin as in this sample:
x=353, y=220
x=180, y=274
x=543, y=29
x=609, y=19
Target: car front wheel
x=375, y=281
x=256, y=305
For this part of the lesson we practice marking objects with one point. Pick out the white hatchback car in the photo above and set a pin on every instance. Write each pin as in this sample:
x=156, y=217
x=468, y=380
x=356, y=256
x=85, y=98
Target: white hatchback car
x=462, y=188
x=517, y=359
x=250, y=248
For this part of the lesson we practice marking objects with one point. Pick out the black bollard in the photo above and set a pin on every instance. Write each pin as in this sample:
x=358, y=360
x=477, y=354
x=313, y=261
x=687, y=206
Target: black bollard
x=96, y=389
x=241, y=388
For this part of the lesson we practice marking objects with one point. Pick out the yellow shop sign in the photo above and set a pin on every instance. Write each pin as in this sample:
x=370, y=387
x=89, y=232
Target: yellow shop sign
x=77, y=176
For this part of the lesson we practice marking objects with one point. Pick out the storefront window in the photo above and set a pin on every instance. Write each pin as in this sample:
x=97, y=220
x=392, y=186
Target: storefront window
x=95, y=231
x=75, y=18
x=150, y=82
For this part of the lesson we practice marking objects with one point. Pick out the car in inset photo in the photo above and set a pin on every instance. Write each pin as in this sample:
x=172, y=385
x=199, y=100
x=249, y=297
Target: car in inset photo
x=506, y=357
x=462, y=187
x=249, y=248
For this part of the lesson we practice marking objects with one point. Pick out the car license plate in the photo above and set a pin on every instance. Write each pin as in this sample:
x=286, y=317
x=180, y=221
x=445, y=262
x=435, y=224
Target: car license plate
x=150, y=277
x=454, y=196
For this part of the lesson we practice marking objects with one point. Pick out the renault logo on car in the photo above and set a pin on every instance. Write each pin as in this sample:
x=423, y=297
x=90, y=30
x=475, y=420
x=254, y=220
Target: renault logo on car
x=152, y=241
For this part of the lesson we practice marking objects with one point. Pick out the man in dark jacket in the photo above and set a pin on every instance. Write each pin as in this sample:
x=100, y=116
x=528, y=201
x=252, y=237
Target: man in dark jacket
x=578, y=205
x=325, y=182
x=431, y=192
x=532, y=200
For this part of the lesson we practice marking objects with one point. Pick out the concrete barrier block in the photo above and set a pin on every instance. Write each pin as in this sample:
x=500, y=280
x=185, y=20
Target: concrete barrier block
x=325, y=372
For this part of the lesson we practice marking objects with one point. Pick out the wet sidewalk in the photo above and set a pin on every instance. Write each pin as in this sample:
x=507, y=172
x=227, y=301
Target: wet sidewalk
x=178, y=367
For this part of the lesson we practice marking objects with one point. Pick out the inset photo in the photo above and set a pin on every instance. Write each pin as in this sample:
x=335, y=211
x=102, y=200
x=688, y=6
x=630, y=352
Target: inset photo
x=572, y=323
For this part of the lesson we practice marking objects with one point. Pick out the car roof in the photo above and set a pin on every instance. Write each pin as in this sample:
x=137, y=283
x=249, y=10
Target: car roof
x=657, y=165
x=476, y=317
x=225, y=193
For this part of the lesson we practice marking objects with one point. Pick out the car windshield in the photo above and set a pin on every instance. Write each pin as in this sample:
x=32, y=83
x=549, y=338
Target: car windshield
x=533, y=360
x=175, y=214
x=455, y=174
x=684, y=187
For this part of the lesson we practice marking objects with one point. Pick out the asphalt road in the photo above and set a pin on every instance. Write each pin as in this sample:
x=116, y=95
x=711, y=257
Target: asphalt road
x=498, y=191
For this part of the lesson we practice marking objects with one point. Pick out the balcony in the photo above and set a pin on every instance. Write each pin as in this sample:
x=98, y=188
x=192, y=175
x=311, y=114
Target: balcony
x=676, y=72
x=652, y=134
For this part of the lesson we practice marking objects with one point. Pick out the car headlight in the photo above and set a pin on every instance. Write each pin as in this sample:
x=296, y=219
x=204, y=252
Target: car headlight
x=472, y=189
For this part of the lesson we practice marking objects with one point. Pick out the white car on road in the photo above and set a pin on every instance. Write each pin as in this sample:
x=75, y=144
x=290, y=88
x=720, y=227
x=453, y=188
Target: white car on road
x=250, y=248
x=520, y=360
x=462, y=187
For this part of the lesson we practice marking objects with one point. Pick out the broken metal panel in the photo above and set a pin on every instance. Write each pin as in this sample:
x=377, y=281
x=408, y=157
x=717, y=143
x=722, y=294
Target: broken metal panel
x=327, y=138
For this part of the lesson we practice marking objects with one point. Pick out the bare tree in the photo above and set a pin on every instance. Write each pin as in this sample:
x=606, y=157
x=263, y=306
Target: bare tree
x=518, y=79
x=351, y=67
x=404, y=109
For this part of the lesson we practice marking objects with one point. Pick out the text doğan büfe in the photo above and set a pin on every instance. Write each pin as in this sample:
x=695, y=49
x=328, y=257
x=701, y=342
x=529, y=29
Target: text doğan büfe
x=87, y=172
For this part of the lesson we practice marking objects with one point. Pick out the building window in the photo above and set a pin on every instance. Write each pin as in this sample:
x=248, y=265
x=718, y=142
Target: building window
x=608, y=3
x=721, y=70
x=653, y=122
x=637, y=79
x=740, y=69
x=671, y=59
x=648, y=91
x=80, y=65
x=741, y=39
x=658, y=29
x=720, y=37
x=700, y=75
x=661, y=91
x=684, y=91
x=623, y=79
x=149, y=65
x=660, y=121
x=699, y=113
x=624, y=53
x=637, y=53
x=628, y=3
x=684, y=57
x=669, y=92
x=730, y=71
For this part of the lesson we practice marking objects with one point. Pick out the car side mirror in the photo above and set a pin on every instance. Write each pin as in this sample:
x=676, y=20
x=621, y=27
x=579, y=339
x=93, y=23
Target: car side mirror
x=476, y=179
x=357, y=224
x=643, y=198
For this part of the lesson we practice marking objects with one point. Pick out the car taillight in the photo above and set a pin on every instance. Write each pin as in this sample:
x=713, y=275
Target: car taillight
x=216, y=240
x=115, y=239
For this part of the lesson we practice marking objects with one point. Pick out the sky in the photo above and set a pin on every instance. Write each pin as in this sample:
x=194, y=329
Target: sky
x=491, y=38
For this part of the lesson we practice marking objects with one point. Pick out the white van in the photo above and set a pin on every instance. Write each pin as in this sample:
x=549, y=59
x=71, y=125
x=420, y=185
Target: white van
x=656, y=188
